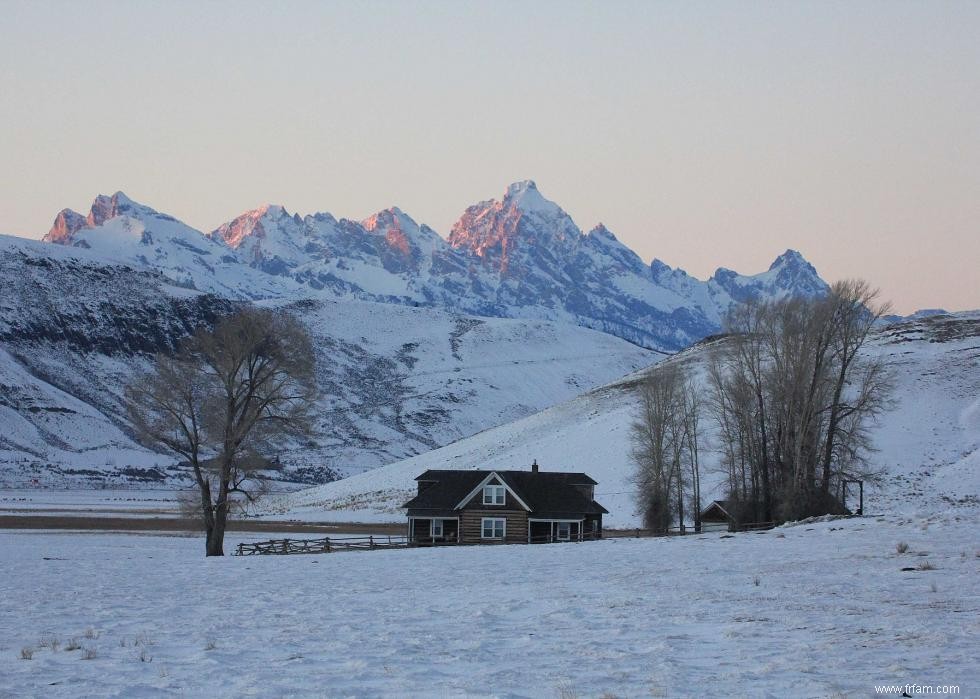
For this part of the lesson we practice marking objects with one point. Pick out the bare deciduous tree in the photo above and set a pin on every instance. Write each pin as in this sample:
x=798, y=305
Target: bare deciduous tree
x=794, y=398
x=224, y=402
x=665, y=448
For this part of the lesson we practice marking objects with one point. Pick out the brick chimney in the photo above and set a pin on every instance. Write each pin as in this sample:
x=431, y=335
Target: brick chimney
x=534, y=466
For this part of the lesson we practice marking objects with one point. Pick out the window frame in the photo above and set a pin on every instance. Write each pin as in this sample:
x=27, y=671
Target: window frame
x=493, y=528
x=568, y=531
x=432, y=528
x=494, y=491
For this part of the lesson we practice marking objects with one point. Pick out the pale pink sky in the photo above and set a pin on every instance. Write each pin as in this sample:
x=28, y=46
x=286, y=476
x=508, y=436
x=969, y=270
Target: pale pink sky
x=705, y=134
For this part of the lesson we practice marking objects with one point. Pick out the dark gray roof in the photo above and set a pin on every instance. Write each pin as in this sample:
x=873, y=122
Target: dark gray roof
x=545, y=492
x=723, y=506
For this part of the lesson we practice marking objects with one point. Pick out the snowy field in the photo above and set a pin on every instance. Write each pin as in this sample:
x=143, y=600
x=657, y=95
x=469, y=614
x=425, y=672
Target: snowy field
x=93, y=503
x=816, y=610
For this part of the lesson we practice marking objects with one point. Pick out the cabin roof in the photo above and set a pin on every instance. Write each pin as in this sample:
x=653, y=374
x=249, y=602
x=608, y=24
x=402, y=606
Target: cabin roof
x=722, y=506
x=545, y=492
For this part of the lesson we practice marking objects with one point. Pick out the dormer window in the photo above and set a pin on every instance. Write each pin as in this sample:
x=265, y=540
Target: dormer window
x=493, y=495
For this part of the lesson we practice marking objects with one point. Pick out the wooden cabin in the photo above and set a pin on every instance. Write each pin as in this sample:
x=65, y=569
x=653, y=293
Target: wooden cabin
x=474, y=507
x=718, y=517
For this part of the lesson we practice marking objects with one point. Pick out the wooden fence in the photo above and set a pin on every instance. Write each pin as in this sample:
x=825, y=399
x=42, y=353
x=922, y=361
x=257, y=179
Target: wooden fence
x=370, y=543
x=279, y=547
x=325, y=545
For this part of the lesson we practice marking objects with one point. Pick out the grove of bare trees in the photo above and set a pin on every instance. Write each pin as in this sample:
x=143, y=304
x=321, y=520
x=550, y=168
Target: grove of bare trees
x=666, y=448
x=791, y=397
x=224, y=403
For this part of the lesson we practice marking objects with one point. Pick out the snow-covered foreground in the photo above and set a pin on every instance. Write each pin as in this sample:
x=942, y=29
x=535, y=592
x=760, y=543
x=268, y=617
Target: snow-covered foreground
x=813, y=610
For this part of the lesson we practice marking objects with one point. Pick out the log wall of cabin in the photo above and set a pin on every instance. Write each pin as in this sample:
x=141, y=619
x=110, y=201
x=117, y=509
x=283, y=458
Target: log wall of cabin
x=471, y=520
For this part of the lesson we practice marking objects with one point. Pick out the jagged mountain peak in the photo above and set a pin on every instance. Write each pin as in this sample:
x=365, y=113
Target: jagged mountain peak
x=66, y=224
x=526, y=197
x=392, y=216
x=521, y=186
x=790, y=258
x=522, y=220
x=403, y=237
x=235, y=232
x=789, y=274
x=106, y=207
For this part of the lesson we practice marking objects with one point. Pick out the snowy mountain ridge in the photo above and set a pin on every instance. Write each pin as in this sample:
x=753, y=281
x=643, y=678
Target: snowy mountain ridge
x=521, y=256
x=394, y=380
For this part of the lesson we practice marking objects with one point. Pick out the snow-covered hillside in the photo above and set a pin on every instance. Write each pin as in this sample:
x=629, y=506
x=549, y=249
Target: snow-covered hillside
x=395, y=380
x=518, y=257
x=929, y=442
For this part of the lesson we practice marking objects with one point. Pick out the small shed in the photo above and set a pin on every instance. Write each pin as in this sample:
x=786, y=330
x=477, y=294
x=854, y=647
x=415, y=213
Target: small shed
x=718, y=517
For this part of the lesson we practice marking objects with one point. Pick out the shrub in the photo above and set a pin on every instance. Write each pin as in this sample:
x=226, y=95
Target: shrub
x=89, y=654
x=72, y=644
x=901, y=547
x=565, y=691
x=210, y=644
x=26, y=653
x=926, y=565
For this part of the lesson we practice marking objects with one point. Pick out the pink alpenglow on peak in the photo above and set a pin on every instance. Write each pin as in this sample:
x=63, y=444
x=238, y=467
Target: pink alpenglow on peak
x=104, y=208
x=248, y=224
x=522, y=219
x=392, y=224
x=66, y=224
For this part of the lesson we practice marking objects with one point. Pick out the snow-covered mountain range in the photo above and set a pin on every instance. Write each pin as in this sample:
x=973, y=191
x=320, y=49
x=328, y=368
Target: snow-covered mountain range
x=518, y=257
x=421, y=340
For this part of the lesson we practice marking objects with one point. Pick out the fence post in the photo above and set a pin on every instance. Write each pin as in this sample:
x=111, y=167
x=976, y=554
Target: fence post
x=371, y=541
x=328, y=544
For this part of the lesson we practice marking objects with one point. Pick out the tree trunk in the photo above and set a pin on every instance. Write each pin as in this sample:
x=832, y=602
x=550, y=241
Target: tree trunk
x=216, y=532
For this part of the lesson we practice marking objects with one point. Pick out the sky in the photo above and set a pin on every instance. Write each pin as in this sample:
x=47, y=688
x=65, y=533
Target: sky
x=704, y=134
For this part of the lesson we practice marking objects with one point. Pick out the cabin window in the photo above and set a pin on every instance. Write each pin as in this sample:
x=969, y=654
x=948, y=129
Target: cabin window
x=436, y=528
x=564, y=531
x=493, y=495
x=494, y=528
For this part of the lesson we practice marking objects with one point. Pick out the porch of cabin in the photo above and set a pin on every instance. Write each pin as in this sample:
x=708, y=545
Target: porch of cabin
x=433, y=531
x=547, y=531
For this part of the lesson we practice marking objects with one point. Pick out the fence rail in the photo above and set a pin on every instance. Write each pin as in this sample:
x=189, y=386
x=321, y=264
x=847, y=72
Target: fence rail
x=324, y=545
x=329, y=544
